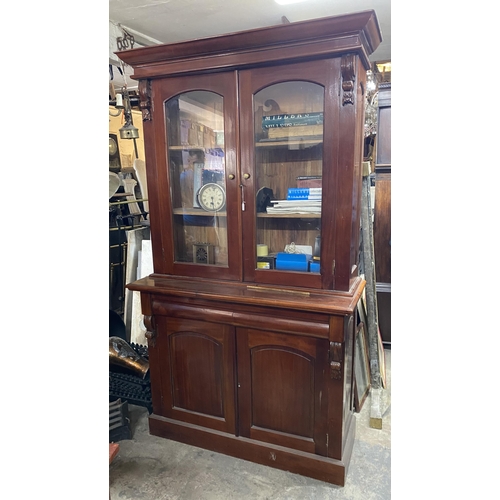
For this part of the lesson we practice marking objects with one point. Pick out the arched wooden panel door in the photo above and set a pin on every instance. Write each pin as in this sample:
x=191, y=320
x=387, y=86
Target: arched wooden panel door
x=281, y=383
x=197, y=372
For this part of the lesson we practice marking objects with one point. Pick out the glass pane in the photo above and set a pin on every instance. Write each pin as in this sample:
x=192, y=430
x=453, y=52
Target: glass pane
x=195, y=139
x=289, y=164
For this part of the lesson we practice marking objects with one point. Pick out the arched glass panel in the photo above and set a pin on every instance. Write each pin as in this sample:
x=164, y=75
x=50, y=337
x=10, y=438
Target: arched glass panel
x=195, y=142
x=288, y=126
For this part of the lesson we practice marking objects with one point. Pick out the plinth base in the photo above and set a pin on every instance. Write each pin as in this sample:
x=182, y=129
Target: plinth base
x=298, y=462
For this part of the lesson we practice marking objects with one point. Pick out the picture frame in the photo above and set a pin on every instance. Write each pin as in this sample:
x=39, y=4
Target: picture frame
x=362, y=380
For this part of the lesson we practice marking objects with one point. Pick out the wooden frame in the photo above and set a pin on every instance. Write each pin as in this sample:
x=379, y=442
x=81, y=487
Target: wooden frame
x=362, y=381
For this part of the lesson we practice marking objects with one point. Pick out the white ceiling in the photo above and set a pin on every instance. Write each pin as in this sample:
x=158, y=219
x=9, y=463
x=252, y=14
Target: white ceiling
x=165, y=21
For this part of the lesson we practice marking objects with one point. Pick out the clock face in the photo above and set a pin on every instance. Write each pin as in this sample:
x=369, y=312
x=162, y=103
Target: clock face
x=212, y=197
x=113, y=147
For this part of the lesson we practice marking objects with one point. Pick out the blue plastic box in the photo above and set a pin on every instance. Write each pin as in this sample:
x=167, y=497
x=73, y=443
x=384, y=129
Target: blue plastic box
x=292, y=261
x=314, y=267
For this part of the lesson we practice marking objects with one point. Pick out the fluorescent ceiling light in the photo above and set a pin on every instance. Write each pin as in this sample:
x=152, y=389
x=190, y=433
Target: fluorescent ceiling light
x=286, y=2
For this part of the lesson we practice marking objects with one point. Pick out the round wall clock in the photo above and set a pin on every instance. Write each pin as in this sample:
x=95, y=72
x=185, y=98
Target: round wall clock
x=212, y=197
x=114, y=154
x=113, y=146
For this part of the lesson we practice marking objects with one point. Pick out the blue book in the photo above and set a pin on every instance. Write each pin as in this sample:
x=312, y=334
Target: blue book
x=312, y=197
x=304, y=194
x=305, y=190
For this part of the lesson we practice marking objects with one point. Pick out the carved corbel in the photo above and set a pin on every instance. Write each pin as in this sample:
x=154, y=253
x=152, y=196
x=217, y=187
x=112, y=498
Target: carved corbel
x=150, y=330
x=336, y=357
x=347, y=65
x=145, y=99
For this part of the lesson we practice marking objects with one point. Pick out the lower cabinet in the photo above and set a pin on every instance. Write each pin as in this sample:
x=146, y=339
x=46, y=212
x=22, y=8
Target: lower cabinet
x=268, y=384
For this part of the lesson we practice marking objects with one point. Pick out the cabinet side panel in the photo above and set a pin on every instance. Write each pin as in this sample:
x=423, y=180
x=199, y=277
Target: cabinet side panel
x=344, y=187
x=350, y=327
x=338, y=386
x=357, y=170
x=151, y=119
x=153, y=352
x=331, y=178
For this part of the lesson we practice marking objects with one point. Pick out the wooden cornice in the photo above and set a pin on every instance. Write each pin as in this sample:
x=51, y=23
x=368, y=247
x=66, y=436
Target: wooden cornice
x=357, y=33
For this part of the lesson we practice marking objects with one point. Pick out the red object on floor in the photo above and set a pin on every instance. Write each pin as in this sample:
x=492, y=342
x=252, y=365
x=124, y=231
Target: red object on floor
x=113, y=451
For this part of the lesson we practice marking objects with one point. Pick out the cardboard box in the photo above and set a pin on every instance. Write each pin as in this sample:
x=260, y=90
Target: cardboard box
x=313, y=182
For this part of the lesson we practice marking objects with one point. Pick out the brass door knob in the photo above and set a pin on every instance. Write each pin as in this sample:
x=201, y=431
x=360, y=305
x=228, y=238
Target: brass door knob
x=246, y=176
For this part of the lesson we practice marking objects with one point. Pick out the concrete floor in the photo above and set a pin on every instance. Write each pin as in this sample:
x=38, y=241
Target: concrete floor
x=152, y=468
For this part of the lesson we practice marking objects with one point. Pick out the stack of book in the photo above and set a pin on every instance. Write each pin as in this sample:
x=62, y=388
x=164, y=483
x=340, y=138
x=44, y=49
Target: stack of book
x=299, y=201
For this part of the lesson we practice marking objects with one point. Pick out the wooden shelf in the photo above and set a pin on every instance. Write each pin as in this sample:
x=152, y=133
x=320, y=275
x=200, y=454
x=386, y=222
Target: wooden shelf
x=195, y=211
x=191, y=148
x=198, y=211
x=280, y=143
x=276, y=143
x=288, y=216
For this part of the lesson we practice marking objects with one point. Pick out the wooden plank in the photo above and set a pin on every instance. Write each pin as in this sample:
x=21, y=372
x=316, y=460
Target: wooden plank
x=371, y=304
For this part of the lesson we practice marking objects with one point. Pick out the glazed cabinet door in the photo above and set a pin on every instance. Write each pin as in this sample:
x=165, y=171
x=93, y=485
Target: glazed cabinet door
x=196, y=177
x=282, y=387
x=197, y=360
x=287, y=119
